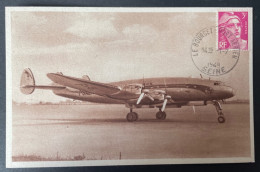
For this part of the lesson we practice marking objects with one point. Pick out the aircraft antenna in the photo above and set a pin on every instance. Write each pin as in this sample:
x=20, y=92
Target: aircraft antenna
x=143, y=80
x=164, y=84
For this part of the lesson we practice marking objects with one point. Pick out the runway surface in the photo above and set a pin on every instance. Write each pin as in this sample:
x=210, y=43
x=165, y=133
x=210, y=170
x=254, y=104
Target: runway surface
x=102, y=132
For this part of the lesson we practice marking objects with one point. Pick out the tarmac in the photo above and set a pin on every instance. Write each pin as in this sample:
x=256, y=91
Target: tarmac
x=102, y=132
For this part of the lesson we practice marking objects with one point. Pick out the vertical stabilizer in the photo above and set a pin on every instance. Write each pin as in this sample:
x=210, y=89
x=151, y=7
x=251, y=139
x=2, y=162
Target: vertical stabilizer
x=27, y=84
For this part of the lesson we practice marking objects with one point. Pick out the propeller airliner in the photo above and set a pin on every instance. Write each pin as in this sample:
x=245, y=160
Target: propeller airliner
x=158, y=93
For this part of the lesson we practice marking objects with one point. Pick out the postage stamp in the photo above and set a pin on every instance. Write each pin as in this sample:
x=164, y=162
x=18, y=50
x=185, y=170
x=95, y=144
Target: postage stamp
x=128, y=86
x=237, y=24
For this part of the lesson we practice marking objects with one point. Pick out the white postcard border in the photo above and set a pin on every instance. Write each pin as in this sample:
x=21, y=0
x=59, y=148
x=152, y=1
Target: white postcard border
x=10, y=164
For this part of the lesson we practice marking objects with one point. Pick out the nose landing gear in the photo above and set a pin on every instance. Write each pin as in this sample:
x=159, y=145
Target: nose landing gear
x=221, y=118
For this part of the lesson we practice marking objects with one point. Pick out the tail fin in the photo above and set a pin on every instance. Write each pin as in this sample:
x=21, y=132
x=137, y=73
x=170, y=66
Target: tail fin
x=27, y=83
x=86, y=77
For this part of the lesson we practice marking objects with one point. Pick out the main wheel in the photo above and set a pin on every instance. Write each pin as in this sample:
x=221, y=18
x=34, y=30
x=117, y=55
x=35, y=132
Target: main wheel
x=135, y=116
x=131, y=116
x=164, y=116
x=160, y=115
x=221, y=119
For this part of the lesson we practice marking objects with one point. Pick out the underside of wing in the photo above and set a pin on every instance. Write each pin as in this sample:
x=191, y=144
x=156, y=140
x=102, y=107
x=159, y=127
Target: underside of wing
x=83, y=84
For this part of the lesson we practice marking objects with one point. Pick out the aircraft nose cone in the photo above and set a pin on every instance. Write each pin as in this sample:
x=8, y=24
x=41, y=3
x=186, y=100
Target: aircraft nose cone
x=233, y=92
x=230, y=92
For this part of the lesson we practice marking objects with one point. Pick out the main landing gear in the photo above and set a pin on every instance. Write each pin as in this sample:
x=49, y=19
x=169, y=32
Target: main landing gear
x=132, y=116
x=221, y=118
x=160, y=115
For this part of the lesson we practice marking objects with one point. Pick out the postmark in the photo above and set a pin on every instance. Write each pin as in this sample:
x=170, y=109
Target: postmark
x=208, y=58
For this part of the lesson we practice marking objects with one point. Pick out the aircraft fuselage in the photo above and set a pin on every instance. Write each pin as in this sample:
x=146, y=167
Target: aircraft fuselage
x=180, y=90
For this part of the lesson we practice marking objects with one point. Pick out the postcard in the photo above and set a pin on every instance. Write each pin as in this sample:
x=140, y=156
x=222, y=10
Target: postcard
x=128, y=86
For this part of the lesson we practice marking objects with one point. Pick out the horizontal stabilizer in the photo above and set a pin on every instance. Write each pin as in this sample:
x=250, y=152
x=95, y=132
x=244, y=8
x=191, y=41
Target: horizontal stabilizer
x=44, y=87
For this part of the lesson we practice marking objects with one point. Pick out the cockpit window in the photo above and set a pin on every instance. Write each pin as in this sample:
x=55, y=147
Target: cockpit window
x=218, y=83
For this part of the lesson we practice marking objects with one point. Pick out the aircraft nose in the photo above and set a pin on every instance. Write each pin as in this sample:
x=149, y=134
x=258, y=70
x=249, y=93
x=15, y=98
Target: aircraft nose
x=233, y=92
x=230, y=92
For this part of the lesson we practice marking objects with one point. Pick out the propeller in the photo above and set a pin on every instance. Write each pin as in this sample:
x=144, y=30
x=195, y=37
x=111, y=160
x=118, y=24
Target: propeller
x=144, y=93
x=140, y=98
x=166, y=97
x=165, y=102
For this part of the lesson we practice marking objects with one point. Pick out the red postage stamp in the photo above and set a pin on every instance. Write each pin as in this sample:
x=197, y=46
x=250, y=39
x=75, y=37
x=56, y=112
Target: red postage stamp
x=235, y=23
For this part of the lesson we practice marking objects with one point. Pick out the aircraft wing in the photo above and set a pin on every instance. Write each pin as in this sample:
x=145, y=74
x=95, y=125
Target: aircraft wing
x=84, y=85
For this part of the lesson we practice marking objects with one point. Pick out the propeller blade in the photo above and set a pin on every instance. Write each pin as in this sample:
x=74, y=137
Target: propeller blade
x=193, y=107
x=140, y=98
x=150, y=97
x=164, y=105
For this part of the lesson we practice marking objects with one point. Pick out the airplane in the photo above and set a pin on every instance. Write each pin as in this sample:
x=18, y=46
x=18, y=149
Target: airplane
x=139, y=93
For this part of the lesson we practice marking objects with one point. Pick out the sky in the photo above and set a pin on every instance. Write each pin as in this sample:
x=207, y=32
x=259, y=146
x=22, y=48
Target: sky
x=110, y=46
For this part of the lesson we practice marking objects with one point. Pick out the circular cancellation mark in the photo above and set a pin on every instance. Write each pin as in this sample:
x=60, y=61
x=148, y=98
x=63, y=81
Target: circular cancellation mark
x=206, y=55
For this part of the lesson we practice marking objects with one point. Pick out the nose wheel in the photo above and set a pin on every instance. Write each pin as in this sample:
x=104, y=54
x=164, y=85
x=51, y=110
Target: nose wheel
x=132, y=116
x=160, y=115
x=221, y=118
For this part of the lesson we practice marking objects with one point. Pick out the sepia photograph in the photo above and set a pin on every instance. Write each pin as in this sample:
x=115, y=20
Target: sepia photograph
x=128, y=86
